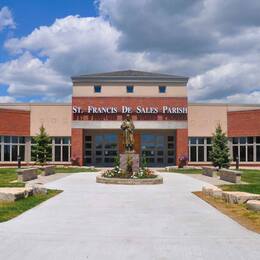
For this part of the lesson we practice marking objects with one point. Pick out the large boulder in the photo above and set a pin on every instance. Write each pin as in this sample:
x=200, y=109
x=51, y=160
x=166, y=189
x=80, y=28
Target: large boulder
x=230, y=175
x=210, y=171
x=13, y=194
x=27, y=174
x=238, y=197
x=48, y=170
x=213, y=191
x=37, y=189
x=253, y=205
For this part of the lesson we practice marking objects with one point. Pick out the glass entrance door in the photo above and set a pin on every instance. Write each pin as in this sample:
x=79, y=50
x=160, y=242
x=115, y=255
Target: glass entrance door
x=158, y=149
x=103, y=149
x=106, y=149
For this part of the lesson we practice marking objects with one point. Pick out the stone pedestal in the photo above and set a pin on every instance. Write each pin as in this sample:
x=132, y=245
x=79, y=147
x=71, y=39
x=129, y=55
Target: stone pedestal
x=134, y=157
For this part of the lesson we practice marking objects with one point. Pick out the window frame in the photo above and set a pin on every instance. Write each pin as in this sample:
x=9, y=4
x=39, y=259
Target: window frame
x=199, y=143
x=13, y=142
x=248, y=144
x=129, y=89
x=97, y=88
x=162, y=89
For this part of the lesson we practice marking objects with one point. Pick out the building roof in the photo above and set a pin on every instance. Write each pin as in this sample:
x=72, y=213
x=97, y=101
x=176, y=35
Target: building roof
x=129, y=76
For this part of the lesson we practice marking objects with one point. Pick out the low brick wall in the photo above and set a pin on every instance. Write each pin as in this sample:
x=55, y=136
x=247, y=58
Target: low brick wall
x=151, y=181
x=210, y=171
x=27, y=174
x=230, y=175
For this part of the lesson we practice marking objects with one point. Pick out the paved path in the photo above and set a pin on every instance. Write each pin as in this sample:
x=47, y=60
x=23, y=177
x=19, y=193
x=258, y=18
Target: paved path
x=98, y=221
x=213, y=181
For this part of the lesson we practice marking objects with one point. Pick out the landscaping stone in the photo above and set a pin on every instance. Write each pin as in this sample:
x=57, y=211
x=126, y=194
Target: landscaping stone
x=27, y=174
x=253, y=205
x=238, y=197
x=230, y=175
x=13, y=194
x=210, y=171
x=37, y=188
x=125, y=181
x=212, y=191
x=48, y=170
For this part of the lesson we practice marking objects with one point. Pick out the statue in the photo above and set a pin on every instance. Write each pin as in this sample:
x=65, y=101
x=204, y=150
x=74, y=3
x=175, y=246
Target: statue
x=128, y=134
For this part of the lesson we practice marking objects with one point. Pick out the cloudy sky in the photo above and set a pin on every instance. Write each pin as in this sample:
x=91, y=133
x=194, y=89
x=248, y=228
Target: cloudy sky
x=214, y=42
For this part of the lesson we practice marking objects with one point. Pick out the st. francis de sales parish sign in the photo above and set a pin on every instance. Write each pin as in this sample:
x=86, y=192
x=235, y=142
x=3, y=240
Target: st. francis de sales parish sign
x=129, y=110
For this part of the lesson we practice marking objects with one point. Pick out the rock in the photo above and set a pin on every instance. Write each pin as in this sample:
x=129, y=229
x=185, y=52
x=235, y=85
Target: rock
x=253, y=205
x=27, y=174
x=230, y=175
x=217, y=193
x=48, y=170
x=237, y=197
x=12, y=194
x=213, y=191
x=210, y=171
x=37, y=189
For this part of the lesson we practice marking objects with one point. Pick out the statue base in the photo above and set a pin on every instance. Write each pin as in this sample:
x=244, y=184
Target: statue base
x=134, y=157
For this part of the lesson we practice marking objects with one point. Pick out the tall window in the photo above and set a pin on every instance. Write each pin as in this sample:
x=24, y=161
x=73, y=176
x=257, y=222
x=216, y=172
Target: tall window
x=199, y=149
x=11, y=148
x=246, y=148
x=61, y=149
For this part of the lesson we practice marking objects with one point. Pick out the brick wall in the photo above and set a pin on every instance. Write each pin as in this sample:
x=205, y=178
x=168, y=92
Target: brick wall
x=244, y=123
x=14, y=122
x=181, y=143
x=77, y=142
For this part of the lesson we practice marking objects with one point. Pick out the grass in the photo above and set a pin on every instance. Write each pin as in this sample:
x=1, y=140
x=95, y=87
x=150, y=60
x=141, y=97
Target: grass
x=13, y=209
x=252, y=177
x=238, y=212
x=7, y=176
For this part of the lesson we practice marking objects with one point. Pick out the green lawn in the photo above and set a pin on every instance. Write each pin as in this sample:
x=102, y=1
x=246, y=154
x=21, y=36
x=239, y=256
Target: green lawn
x=252, y=177
x=13, y=209
x=7, y=175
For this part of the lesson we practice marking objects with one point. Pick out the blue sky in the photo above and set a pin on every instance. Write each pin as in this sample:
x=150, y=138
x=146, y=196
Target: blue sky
x=30, y=14
x=214, y=42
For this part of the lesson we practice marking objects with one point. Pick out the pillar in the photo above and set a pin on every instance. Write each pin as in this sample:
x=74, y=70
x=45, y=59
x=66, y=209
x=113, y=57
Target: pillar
x=77, y=146
x=181, y=143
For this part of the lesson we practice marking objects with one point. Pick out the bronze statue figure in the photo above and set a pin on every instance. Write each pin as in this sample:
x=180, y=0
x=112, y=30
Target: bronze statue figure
x=128, y=134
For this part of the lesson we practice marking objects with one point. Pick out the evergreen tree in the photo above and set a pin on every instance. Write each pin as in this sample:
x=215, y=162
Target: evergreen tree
x=41, y=148
x=220, y=151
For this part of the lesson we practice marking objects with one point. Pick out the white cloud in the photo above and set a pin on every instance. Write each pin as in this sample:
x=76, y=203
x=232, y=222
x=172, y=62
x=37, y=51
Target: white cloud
x=70, y=46
x=6, y=99
x=203, y=39
x=6, y=18
x=29, y=76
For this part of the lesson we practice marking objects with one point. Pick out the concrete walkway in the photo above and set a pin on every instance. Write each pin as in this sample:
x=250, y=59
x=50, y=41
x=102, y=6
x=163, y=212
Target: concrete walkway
x=98, y=221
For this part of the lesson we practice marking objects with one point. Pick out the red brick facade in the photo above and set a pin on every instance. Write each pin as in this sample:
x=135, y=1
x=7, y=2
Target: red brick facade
x=181, y=143
x=244, y=123
x=14, y=122
x=77, y=141
x=118, y=102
